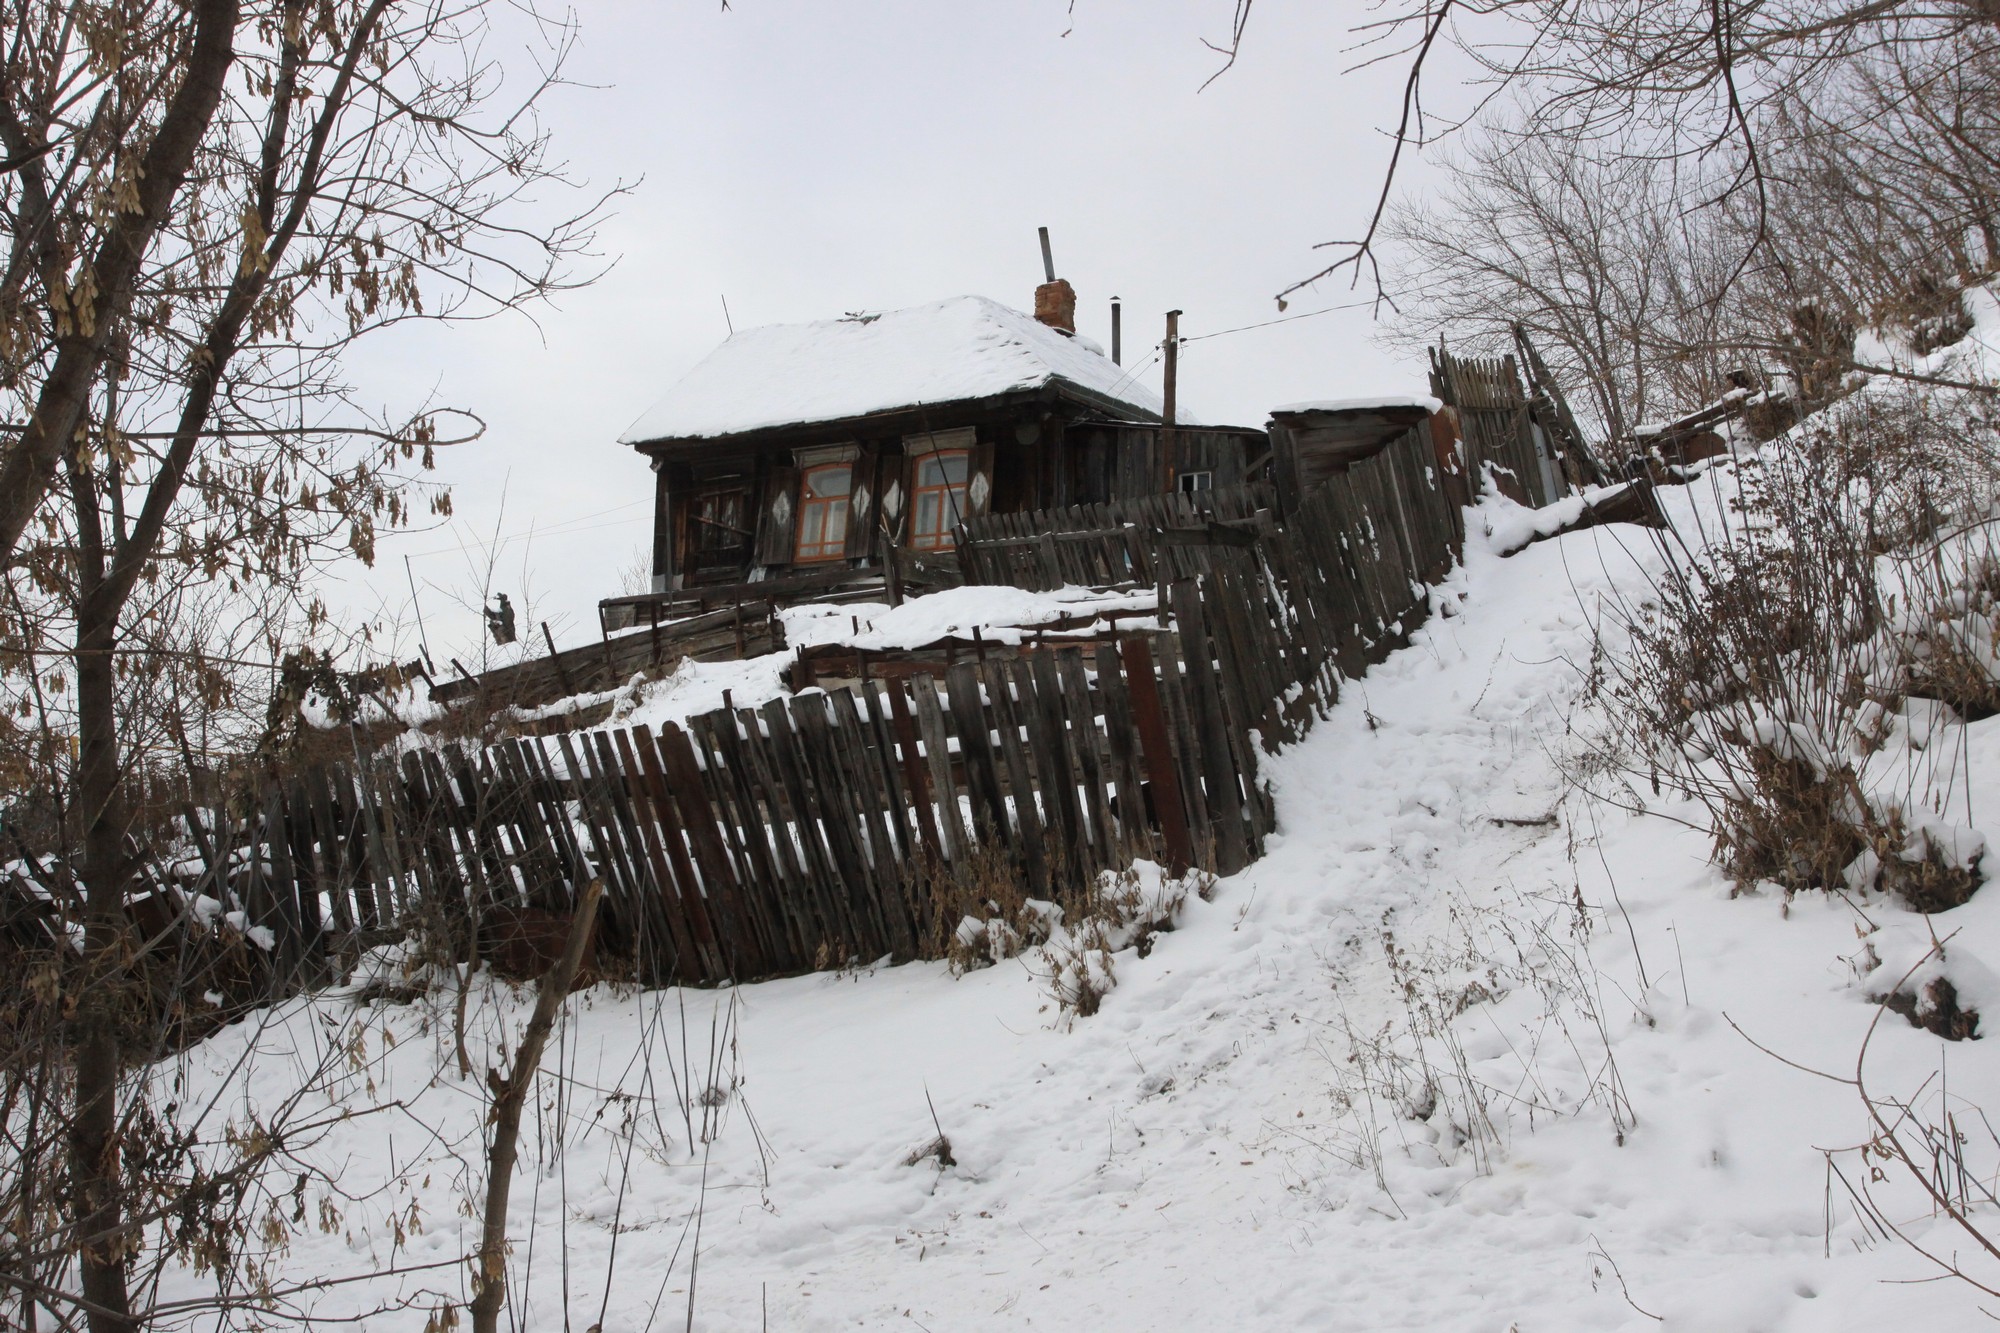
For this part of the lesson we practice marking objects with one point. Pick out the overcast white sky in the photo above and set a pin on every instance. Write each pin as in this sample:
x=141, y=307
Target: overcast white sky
x=806, y=158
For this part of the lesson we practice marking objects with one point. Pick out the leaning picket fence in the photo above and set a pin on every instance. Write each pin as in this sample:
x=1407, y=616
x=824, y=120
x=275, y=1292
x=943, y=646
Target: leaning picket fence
x=856, y=822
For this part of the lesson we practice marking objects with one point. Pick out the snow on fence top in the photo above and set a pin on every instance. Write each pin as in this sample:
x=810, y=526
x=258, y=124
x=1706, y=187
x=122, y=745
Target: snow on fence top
x=965, y=347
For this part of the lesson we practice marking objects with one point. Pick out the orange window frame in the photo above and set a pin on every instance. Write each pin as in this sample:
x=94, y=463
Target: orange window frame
x=821, y=533
x=946, y=498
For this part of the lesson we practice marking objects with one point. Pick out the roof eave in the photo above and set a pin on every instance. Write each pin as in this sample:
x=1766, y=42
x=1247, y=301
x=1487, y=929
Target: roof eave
x=898, y=420
x=1102, y=402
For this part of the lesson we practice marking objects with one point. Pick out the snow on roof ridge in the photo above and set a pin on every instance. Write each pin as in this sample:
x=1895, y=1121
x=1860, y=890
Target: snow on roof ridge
x=944, y=351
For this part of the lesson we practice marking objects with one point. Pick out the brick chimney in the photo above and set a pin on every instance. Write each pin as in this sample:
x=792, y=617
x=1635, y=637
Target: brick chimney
x=1055, y=305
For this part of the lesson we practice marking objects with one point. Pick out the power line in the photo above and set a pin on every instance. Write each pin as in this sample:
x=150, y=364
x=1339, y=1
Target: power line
x=1135, y=371
x=1282, y=319
x=562, y=527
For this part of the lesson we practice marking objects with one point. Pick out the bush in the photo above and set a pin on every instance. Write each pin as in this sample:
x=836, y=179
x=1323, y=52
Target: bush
x=1787, y=672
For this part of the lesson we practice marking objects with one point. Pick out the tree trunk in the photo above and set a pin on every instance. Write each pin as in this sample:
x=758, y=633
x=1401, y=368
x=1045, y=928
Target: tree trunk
x=510, y=1095
x=94, y=1147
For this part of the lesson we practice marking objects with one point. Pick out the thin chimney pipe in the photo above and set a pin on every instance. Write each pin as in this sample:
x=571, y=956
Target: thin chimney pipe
x=1172, y=349
x=1117, y=333
x=1048, y=257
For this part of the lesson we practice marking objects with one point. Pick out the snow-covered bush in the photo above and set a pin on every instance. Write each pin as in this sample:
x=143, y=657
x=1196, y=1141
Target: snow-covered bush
x=1072, y=942
x=1790, y=671
x=1123, y=910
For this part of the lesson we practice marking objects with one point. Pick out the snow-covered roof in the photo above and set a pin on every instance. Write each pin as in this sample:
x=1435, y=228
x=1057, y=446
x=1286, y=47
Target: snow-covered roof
x=1424, y=401
x=948, y=351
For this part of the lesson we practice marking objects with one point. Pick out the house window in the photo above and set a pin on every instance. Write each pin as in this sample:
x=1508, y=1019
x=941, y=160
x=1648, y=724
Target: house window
x=937, y=500
x=719, y=535
x=823, y=496
x=1190, y=482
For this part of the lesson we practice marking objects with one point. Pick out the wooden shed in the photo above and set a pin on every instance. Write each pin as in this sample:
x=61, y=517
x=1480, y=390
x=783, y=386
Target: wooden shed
x=806, y=461
x=1312, y=442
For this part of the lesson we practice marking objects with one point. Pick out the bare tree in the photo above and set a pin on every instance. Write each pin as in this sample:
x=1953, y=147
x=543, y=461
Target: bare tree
x=1687, y=80
x=1656, y=282
x=212, y=203
x=1592, y=252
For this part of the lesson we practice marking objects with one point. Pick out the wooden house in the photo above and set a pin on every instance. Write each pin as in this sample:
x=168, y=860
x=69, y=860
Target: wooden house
x=809, y=461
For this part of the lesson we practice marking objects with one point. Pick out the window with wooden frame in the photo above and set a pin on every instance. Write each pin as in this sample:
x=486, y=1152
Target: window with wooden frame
x=718, y=536
x=937, y=497
x=822, y=526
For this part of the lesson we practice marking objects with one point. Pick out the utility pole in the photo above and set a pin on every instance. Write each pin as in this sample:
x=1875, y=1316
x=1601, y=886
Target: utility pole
x=1172, y=349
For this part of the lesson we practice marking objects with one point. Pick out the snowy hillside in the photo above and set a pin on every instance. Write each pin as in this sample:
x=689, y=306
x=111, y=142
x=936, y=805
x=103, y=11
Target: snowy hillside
x=1467, y=1050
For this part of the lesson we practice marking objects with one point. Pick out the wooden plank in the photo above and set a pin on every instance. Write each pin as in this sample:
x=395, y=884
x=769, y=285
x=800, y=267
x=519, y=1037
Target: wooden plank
x=323, y=833
x=618, y=926
x=286, y=914
x=937, y=755
x=1027, y=819
x=553, y=801
x=1183, y=744
x=212, y=869
x=684, y=776
x=614, y=770
x=1311, y=647
x=838, y=929
x=840, y=820
x=975, y=749
x=888, y=770
x=378, y=855
x=1239, y=691
x=441, y=823
x=796, y=881
x=528, y=856
x=916, y=779
x=1050, y=745
x=351, y=822
x=758, y=910
x=882, y=819
x=549, y=868
x=707, y=952
x=307, y=875
x=1276, y=646
x=764, y=876
x=546, y=870
x=1213, y=727
x=1120, y=730
x=416, y=834
x=1087, y=745
x=1244, y=657
x=662, y=950
x=480, y=866
x=1246, y=654
x=581, y=786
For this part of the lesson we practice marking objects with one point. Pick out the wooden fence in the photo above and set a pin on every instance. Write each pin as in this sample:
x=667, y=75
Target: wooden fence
x=1496, y=425
x=858, y=822
x=804, y=833
x=1155, y=539
x=748, y=629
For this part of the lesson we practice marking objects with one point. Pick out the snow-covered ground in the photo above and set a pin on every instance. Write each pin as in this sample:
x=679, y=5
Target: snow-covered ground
x=1466, y=1050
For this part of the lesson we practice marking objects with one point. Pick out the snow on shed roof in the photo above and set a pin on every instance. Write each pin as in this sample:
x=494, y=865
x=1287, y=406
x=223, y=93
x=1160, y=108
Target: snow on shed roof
x=1424, y=401
x=948, y=351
